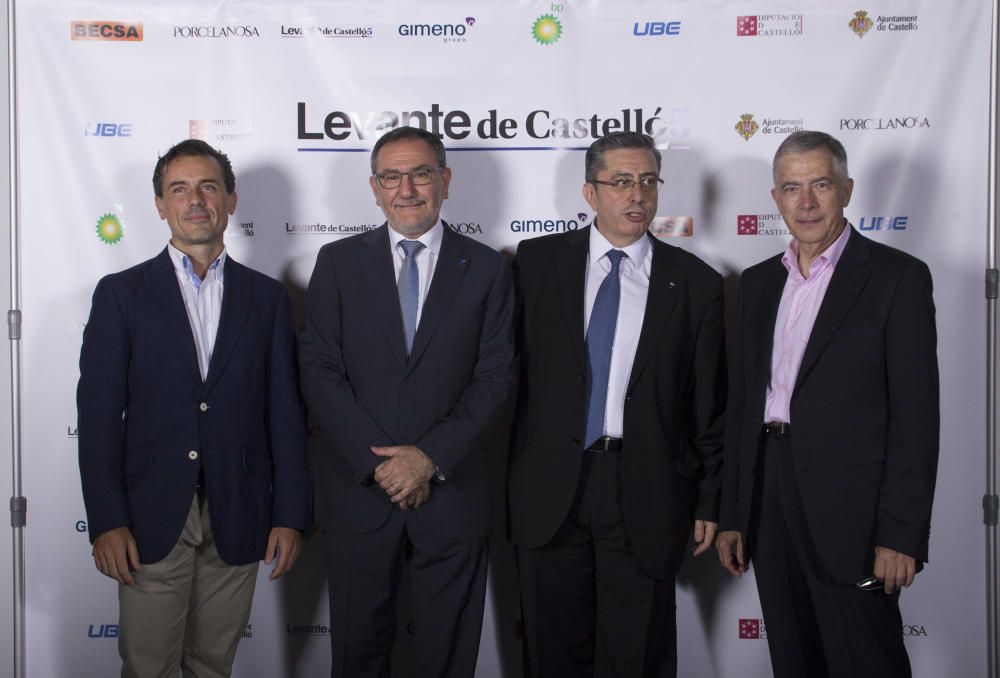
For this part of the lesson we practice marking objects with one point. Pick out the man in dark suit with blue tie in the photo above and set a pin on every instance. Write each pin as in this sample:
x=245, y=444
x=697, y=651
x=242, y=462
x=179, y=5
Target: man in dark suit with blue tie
x=832, y=428
x=407, y=368
x=192, y=437
x=618, y=428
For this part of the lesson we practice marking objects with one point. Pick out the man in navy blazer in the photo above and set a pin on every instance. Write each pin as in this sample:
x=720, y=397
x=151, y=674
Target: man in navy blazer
x=192, y=434
x=407, y=368
x=832, y=426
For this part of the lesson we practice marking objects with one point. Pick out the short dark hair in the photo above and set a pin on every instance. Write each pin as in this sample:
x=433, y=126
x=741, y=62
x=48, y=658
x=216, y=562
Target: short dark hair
x=407, y=132
x=193, y=147
x=804, y=141
x=594, y=162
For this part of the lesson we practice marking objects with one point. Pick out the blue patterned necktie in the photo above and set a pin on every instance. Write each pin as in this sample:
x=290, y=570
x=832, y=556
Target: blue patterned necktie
x=408, y=287
x=600, y=339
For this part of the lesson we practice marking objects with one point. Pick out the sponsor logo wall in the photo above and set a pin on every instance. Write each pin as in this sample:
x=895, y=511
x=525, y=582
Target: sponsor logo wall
x=297, y=93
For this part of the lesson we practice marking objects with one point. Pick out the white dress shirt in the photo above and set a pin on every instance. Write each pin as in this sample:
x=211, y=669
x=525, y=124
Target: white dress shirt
x=202, y=301
x=634, y=270
x=426, y=259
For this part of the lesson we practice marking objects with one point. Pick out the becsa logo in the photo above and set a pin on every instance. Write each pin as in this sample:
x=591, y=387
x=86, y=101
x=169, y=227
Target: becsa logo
x=125, y=31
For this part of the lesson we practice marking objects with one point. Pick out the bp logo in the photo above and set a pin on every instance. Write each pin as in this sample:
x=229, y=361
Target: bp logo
x=110, y=229
x=546, y=29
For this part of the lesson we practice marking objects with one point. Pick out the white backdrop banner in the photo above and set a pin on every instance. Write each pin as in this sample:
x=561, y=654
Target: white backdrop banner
x=297, y=92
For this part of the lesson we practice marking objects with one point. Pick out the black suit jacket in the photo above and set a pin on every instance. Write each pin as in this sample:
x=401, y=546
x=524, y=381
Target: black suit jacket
x=447, y=398
x=864, y=410
x=143, y=409
x=673, y=409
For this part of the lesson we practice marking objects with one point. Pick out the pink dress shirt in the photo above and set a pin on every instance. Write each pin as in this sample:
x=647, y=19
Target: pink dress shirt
x=800, y=302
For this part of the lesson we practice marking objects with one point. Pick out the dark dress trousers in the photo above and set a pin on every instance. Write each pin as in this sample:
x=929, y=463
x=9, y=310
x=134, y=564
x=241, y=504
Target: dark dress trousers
x=857, y=470
x=667, y=473
x=447, y=398
x=148, y=421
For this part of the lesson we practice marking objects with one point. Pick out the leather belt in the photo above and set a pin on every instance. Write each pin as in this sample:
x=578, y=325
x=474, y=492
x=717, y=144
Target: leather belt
x=606, y=444
x=776, y=429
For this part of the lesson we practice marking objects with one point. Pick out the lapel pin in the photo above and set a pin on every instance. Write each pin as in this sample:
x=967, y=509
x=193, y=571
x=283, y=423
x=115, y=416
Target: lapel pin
x=461, y=262
x=671, y=284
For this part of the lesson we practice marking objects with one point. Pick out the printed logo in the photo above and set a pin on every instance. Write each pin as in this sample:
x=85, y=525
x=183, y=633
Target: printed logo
x=243, y=229
x=672, y=227
x=318, y=228
x=248, y=631
x=657, y=28
x=72, y=432
x=752, y=629
x=905, y=122
x=223, y=129
x=224, y=31
x=912, y=630
x=108, y=129
x=102, y=631
x=110, y=229
x=760, y=224
x=769, y=25
x=547, y=29
x=123, y=31
x=307, y=629
x=326, y=31
x=466, y=227
x=746, y=25
x=548, y=225
x=883, y=223
x=747, y=126
x=448, y=32
x=81, y=526
x=860, y=24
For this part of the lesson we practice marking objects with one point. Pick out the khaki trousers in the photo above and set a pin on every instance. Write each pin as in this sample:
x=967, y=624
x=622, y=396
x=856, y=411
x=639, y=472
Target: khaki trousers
x=187, y=611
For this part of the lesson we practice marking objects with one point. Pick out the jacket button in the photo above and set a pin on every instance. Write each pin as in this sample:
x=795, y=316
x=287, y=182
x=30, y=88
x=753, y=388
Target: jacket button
x=192, y=455
x=203, y=407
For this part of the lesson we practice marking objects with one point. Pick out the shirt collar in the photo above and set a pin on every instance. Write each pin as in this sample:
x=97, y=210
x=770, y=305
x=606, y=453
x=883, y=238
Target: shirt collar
x=182, y=265
x=599, y=246
x=431, y=238
x=829, y=257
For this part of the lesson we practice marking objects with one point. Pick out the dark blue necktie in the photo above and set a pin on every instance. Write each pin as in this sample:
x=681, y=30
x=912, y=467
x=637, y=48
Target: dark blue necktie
x=600, y=339
x=408, y=287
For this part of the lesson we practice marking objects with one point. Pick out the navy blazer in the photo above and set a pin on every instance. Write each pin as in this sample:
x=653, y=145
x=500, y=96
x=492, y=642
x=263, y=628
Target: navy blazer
x=147, y=420
x=864, y=409
x=673, y=406
x=447, y=398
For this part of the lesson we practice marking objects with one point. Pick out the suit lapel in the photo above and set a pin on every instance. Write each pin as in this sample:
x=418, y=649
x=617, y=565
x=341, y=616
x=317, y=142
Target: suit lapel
x=666, y=284
x=848, y=280
x=571, y=267
x=162, y=281
x=453, y=261
x=380, y=279
x=237, y=297
x=763, y=311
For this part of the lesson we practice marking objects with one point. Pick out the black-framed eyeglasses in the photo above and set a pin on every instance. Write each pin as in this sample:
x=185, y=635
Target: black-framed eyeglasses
x=625, y=184
x=420, y=176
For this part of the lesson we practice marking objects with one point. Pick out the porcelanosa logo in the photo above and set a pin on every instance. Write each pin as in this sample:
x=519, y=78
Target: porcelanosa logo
x=880, y=124
x=760, y=224
x=322, y=228
x=769, y=25
x=217, y=31
x=747, y=126
x=445, y=32
x=125, y=31
x=466, y=227
x=548, y=225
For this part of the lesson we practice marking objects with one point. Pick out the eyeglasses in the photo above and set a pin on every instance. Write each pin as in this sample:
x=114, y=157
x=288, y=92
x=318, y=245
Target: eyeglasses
x=418, y=177
x=625, y=184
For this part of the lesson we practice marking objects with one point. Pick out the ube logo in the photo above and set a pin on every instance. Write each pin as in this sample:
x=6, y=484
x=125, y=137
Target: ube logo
x=656, y=28
x=102, y=631
x=108, y=129
x=883, y=223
